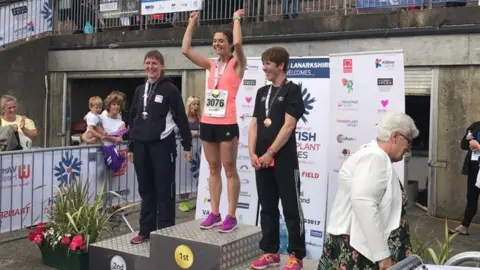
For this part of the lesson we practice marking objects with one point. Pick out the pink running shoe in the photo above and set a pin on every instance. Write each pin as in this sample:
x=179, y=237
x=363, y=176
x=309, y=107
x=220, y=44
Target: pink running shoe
x=265, y=261
x=293, y=263
x=229, y=225
x=213, y=220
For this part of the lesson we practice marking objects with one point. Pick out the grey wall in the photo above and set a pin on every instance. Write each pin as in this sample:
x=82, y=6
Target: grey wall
x=22, y=74
x=459, y=106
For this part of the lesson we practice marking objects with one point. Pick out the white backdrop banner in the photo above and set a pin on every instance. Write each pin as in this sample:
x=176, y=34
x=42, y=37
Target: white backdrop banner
x=364, y=87
x=150, y=7
x=23, y=19
x=312, y=75
x=253, y=79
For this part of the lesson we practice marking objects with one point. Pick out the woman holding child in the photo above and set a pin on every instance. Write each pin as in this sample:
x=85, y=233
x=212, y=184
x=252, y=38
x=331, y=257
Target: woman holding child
x=108, y=122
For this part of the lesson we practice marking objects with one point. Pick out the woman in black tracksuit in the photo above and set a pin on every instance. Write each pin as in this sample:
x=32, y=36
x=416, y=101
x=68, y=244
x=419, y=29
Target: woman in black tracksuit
x=470, y=142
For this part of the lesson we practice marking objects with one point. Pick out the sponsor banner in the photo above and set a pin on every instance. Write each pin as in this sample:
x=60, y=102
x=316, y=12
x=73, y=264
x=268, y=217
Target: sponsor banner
x=364, y=87
x=29, y=181
x=312, y=75
x=149, y=7
x=23, y=19
x=117, y=9
x=253, y=79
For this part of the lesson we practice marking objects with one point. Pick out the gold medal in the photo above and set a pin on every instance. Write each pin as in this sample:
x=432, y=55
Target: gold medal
x=267, y=122
x=215, y=93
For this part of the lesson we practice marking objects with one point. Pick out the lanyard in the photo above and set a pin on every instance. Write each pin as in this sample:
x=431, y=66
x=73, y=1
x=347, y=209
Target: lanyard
x=145, y=96
x=146, y=93
x=218, y=76
x=268, y=105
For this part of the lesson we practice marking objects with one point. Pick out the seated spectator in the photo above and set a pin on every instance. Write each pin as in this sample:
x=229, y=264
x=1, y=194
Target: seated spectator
x=26, y=127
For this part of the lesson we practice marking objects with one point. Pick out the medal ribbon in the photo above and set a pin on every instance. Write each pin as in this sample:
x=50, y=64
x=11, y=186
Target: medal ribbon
x=218, y=76
x=146, y=93
x=268, y=105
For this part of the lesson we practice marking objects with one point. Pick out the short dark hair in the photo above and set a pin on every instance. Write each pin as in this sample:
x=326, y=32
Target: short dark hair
x=277, y=55
x=155, y=54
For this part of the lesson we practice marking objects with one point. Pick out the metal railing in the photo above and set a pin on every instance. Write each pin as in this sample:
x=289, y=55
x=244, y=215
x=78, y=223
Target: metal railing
x=23, y=19
x=28, y=180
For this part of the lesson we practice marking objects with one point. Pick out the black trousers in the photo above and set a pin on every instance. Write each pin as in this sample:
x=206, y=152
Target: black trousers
x=284, y=183
x=473, y=193
x=155, y=167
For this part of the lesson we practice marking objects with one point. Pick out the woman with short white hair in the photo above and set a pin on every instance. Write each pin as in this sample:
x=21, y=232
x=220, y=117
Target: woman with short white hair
x=367, y=228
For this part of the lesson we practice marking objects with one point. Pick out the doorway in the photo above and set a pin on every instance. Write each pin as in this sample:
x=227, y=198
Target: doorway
x=82, y=89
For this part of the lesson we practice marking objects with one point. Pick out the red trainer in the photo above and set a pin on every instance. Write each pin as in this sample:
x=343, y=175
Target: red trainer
x=139, y=239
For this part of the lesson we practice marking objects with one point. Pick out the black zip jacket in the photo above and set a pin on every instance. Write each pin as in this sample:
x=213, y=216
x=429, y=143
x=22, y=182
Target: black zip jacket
x=465, y=144
x=165, y=110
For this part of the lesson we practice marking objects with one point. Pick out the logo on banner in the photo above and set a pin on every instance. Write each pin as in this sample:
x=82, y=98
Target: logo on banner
x=385, y=84
x=384, y=103
x=246, y=117
x=348, y=123
x=344, y=154
x=342, y=138
x=311, y=175
x=348, y=84
x=307, y=101
x=248, y=99
x=68, y=169
x=380, y=63
x=19, y=10
x=347, y=105
x=347, y=65
x=306, y=143
x=252, y=68
x=20, y=172
x=47, y=12
x=249, y=83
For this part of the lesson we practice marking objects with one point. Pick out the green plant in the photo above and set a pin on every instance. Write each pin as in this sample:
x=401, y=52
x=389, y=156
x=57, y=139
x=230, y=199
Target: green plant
x=445, y=251
x=75, y=220
x=420, y=247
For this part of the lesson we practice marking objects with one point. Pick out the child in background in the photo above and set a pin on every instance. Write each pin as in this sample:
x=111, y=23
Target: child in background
x=95, y=132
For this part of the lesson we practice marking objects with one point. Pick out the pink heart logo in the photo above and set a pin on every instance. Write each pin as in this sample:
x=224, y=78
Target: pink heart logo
x=385, y=103
x=248, y=99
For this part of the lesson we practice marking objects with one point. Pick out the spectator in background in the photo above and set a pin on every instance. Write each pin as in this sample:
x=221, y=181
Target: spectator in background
x=290, y=9
x=470, y=168
x=193, y=113
x=26, y=127
x=192, y=109
x=112, y=120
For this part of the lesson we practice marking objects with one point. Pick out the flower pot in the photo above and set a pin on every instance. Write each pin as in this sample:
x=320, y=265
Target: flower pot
x=60, y=258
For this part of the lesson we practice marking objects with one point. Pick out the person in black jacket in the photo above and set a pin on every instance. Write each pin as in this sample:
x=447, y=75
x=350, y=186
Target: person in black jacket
x=470, y=142
x=156, y=109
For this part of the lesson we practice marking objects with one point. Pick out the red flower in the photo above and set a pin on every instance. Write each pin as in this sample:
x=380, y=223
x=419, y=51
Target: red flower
x=65, y=240
x=77, y=243
x=38, y=239
x=31, y=235
x=40, y=227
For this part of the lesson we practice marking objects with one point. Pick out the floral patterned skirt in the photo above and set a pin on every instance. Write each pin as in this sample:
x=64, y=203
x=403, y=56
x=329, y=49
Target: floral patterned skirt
x=339, y=255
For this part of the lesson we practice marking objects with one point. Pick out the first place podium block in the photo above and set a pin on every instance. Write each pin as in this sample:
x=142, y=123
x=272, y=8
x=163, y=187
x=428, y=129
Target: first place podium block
x=186, y=246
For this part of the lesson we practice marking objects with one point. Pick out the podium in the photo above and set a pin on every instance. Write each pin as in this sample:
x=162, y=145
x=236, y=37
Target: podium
x=183, y=246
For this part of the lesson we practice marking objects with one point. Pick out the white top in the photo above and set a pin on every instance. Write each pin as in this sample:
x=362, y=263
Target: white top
x=111, y=125
x=368, y=202
x=92, y=119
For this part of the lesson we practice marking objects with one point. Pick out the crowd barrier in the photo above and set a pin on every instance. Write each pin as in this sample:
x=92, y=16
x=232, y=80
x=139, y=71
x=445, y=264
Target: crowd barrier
x=20, y=19
x=29, y=179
